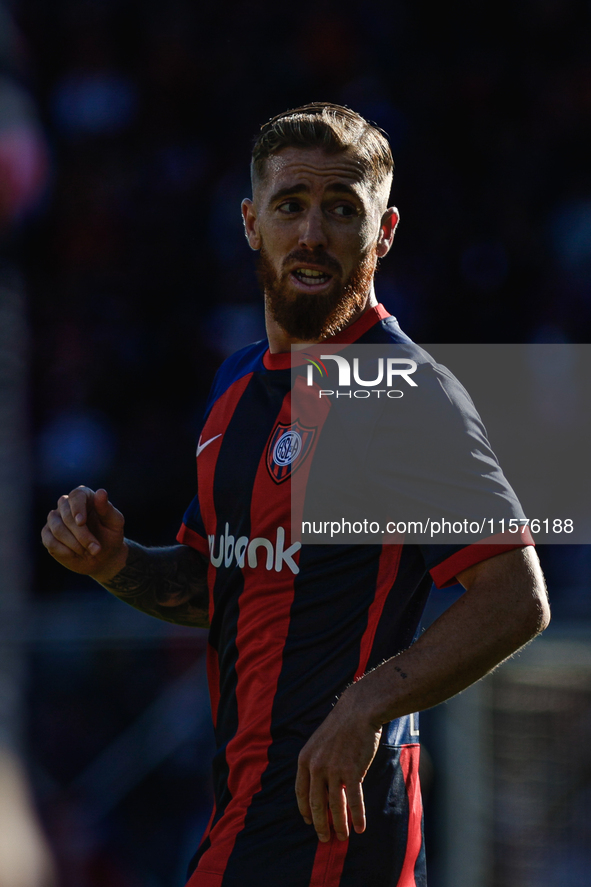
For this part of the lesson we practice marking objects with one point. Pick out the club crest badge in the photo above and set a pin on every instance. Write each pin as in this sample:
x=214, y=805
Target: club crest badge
x=288, y=447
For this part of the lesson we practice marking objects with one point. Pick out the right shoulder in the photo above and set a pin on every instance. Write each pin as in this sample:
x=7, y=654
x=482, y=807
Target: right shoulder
x=243, y=362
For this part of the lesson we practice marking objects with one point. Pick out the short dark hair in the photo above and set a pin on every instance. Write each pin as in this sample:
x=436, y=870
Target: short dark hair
x=331, y=127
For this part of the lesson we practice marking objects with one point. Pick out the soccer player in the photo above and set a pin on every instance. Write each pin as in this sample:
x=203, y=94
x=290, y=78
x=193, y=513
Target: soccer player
x=314, y=676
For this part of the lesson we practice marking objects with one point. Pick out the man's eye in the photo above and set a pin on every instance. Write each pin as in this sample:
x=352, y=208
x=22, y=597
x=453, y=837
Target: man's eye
x=290, y=206
x=345, y=209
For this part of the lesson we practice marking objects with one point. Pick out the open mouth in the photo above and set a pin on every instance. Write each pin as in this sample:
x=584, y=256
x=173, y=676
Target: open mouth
x=310, y=277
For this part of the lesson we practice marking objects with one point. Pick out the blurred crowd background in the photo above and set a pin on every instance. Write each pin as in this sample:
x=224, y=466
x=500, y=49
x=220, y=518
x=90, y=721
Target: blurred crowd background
x=125, y=134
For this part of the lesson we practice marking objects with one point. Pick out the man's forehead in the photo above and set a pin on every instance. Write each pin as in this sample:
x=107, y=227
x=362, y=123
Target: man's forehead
x=293, y=165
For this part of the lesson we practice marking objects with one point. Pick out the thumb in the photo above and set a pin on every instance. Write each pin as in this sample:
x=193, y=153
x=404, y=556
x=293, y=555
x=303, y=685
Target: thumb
x=108, y=515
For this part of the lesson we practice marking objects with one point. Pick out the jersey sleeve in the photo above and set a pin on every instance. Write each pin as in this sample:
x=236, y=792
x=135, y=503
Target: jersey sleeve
x=436, y=466
x=444, y=562
x=192, y=531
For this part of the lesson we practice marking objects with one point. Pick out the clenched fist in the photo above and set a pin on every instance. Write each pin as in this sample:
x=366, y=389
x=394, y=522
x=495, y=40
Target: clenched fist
x=85, y=534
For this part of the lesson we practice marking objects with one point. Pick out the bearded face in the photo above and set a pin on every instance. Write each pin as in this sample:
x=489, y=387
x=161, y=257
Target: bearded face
x=315, y=316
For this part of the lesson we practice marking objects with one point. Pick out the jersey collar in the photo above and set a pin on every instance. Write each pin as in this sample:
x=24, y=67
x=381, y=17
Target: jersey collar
x=285, y=359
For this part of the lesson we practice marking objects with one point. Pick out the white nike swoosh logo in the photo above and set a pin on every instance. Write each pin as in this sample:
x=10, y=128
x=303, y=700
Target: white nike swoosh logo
x=201, y=447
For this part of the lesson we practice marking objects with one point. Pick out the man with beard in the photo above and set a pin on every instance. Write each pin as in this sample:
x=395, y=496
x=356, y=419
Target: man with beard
x=309, y=792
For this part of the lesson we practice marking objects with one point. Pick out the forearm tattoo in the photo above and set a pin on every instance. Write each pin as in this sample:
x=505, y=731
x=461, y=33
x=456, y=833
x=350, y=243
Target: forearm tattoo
x=168, y=583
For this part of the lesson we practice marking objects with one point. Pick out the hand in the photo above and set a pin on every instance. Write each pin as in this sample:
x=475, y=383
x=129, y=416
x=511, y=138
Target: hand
x=85, y=534
x=332, y=766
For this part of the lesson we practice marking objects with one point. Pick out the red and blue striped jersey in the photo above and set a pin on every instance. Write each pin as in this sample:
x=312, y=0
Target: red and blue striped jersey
x=291, y=626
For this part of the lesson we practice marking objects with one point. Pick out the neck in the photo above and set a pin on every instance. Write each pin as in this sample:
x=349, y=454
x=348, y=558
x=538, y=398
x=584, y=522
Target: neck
x=280, y=341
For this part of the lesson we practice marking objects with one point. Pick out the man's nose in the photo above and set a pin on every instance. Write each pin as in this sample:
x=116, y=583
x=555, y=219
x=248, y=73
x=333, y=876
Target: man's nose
x=312, y=231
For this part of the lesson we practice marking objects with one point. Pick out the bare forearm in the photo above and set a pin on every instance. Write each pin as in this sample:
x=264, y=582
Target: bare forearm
x=431, y=671
x=486, y=625
x=168, y=583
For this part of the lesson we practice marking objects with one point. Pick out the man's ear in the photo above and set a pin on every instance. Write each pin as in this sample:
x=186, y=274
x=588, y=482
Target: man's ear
x=251, y=228
x=388, y=225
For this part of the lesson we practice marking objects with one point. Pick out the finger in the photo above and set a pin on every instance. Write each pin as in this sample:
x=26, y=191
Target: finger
x=69, y=515
x=356, y=804
x=101, y=502
x=56, y=548
x=302, y=789
x=61, y=532
x=338, y=808
x=319, y=807
x=81, y=501
x=109, y=516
